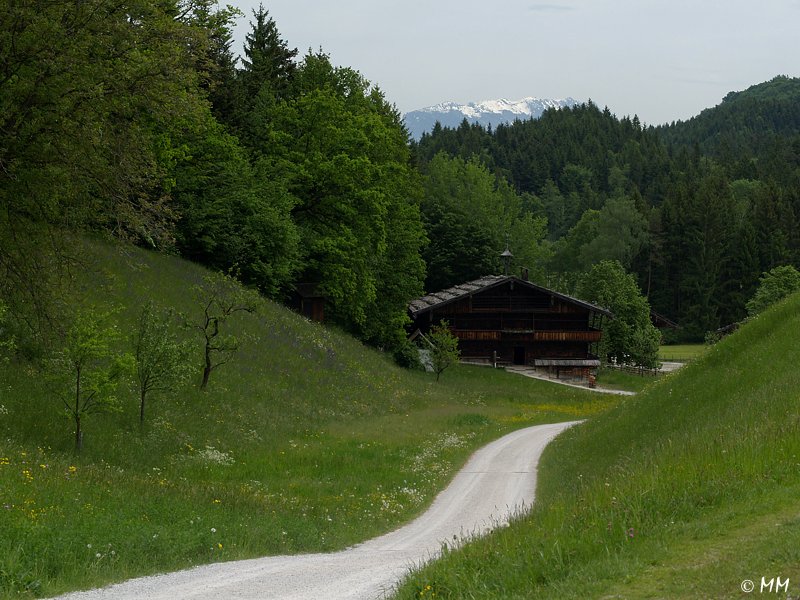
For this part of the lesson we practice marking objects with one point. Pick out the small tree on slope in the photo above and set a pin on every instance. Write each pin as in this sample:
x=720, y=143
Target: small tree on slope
x=220, y=297
x=444, y=348
x=162, y=362
x=86, y=371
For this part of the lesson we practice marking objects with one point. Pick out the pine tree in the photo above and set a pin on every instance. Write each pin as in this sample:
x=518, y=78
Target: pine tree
x=215, y=61
x=268, y=59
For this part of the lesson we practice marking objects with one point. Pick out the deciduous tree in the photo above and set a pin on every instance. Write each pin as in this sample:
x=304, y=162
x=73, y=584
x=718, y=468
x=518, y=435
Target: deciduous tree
x=470, y=216
x=162, y=361
x=774, y=285
x=444, y=348
x=630, y=337
x=87, y=369
x=235, y=215
x=86, y=88
x=220, y=298
x=343, y=153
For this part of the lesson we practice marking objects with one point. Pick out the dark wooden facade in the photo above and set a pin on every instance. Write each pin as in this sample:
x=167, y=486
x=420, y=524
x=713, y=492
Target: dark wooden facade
x=516, y=321
x=308, y=302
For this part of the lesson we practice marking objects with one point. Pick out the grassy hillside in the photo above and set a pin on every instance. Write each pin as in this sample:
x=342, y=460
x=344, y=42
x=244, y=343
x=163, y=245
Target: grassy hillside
x=307, y=441
x=684, y=491
x=681, y=352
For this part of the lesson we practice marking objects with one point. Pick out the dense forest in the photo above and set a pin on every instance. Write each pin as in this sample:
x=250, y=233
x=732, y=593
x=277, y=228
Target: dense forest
x=697, y=210
x=138, y=121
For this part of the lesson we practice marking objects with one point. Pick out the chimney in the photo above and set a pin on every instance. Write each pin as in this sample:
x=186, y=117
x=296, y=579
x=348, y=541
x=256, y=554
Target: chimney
x=507, y=256
x=524, y=273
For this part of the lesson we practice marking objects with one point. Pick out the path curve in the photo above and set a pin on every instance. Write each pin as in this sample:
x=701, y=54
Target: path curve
x=497, y=482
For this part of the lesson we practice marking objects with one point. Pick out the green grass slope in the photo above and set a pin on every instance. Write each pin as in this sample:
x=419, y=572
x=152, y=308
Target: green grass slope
x=307, y=441
x=684, y=491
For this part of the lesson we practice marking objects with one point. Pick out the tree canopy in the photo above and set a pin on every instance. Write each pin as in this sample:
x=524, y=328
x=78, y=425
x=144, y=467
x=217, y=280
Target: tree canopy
x=630, y=337
x=774, y=286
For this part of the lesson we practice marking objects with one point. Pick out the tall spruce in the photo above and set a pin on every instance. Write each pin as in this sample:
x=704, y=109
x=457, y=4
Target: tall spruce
x=268, y=63
x=215, y=60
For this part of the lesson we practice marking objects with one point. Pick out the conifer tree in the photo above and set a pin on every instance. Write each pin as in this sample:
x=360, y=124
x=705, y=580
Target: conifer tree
x=268, y=59
x=215, y=60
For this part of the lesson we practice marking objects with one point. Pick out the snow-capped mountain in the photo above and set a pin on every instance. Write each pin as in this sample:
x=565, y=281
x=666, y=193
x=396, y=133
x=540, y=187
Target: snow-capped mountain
x=488, y=112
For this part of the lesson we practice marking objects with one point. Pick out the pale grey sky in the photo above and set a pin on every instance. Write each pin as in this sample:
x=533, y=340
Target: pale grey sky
x=663, y=60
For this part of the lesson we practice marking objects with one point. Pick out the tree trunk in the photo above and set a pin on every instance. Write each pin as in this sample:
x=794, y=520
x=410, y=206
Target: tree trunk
x=141, y=408
x=77, y=412
x=207, y=368
x=78, y=433
x=209, y=364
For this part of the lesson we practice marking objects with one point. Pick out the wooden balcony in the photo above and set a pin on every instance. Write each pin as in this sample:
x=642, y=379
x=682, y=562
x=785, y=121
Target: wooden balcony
x=483, y=336
x=527, y=335
x=567, y=336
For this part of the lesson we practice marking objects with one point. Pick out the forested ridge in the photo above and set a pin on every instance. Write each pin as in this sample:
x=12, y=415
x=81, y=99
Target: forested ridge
x=138, y=121
x=697, y=210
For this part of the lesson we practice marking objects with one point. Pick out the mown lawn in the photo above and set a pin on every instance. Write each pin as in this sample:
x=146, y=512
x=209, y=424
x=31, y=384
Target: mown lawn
x=681, y=352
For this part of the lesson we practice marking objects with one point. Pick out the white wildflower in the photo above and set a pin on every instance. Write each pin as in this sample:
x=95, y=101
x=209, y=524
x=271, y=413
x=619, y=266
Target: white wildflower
x=217, y=457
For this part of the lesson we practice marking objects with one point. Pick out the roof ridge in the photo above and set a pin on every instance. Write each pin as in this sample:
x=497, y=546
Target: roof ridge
x=456, y=292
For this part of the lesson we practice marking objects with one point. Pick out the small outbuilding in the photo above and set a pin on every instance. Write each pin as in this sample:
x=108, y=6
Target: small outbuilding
x=307, y=300
x=509, y=320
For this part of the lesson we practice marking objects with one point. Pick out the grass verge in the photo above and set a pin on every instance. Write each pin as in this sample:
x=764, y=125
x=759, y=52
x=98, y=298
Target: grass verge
x=617, y=379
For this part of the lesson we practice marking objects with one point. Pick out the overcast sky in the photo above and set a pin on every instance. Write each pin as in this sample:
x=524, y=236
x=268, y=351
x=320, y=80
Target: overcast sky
x=662, y=60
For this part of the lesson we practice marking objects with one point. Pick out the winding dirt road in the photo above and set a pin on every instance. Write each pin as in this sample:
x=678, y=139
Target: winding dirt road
x=498, y=481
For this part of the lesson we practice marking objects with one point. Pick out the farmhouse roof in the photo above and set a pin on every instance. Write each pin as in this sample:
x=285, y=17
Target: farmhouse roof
x=444, y=297
x=661, y=321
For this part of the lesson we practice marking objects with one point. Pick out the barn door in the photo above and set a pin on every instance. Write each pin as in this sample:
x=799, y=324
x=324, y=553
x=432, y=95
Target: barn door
x=519, y=355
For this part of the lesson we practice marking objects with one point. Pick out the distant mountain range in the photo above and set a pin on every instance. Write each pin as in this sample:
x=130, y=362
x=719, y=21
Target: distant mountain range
x=488, y=112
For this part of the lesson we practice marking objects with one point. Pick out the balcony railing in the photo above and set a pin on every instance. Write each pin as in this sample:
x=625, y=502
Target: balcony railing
x=567, y=336
x=528, y=335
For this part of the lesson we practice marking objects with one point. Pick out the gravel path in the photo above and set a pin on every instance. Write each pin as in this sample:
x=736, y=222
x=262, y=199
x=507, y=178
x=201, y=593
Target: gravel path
x=534, y=374
x=497, y=482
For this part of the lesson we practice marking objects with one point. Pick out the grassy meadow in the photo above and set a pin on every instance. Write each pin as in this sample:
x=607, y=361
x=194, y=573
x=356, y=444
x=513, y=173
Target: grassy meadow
x=686, y=490
x=681, y=352
x=306, y=441
x=619, y=379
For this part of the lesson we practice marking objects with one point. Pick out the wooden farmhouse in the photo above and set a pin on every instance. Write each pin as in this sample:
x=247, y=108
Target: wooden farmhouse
x=505, y=319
